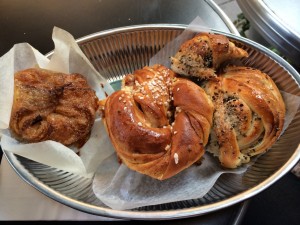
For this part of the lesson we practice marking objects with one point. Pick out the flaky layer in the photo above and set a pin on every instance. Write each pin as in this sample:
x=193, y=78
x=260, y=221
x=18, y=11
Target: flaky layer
x=52, y=106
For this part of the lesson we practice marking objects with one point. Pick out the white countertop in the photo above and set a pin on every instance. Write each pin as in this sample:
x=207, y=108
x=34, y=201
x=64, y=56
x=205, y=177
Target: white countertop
x=20, y=201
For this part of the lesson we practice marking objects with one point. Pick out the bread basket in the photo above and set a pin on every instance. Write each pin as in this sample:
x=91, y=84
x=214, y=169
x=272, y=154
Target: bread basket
x=120, y=51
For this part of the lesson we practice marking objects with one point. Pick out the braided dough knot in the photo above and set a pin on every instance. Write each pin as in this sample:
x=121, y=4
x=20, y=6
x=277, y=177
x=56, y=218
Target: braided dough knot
x=158, y=123
x=249, y=114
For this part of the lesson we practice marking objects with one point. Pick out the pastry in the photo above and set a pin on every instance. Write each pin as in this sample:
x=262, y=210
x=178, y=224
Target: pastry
x=54, y=106
x=249, y=114
x=158, y=123
x=202, y=55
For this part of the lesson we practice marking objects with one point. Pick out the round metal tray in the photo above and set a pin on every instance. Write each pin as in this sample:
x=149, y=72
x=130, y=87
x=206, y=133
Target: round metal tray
x=117, y=52
x=277, y=23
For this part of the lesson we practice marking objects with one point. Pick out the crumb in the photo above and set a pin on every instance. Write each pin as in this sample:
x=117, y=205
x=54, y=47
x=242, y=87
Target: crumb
x=176, y=158
x=167, y=147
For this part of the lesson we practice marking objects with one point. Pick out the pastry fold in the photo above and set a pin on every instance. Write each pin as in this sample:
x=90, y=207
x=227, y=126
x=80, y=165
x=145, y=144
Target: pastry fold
x=54, y=106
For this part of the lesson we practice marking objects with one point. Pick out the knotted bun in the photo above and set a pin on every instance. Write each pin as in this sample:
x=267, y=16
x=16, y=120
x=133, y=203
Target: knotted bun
x=158, y=123
x=249, y=114
x=54, y=106
x=202, y=55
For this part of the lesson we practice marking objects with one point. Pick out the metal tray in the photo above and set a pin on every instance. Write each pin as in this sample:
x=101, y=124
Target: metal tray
x=117, y=52
x=277, y=23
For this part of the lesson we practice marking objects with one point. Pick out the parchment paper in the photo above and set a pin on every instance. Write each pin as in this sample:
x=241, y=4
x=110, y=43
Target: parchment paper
x=67, y=58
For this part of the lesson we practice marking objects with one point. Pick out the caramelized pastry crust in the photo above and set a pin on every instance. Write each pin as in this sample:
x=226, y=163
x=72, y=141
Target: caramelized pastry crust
x=249, y=114
x=202, y=55
x=52, y=106
x=158, y=124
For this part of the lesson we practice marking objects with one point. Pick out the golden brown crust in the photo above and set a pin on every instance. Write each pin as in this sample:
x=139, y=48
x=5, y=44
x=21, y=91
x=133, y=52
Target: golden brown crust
x=202, y=55
x=146, y=135
x=52, y=106
x=249, y=114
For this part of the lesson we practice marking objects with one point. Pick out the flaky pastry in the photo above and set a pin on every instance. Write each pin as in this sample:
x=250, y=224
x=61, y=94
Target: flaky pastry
x=54, y=106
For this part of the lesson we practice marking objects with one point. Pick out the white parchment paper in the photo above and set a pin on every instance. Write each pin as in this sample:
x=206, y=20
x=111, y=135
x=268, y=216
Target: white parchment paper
x=163, y=56
x=67, y=58
x=121, y=188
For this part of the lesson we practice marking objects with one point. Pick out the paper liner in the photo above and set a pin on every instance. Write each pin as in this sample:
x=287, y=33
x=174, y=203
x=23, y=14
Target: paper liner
x=67, y=58
x=163, y=56
x=121, y=188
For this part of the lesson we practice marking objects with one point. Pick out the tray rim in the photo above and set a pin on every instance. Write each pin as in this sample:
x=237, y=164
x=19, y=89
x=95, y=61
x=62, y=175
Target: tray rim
x=167, y=214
